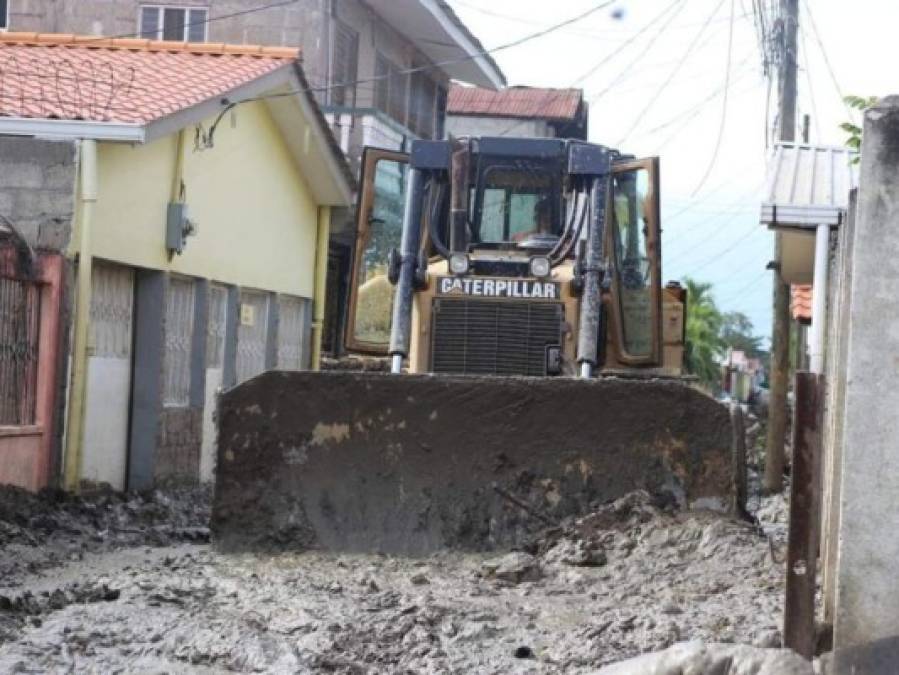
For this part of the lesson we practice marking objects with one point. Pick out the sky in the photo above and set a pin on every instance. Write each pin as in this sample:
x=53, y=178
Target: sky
x=654, y=73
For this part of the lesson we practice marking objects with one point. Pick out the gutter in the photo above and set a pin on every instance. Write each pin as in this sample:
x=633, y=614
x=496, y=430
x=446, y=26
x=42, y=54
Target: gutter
x=72, y=130
x=87, y=199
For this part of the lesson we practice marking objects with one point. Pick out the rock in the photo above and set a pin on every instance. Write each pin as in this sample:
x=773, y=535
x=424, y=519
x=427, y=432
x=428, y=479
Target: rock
x=700, y=657
x=523, y=652
x=419, y=579
x=576, y=552
x=513, y=567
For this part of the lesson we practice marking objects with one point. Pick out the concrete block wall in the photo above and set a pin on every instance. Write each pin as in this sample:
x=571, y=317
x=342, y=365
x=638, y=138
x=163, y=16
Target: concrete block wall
x=866, y=627
x=37, y=189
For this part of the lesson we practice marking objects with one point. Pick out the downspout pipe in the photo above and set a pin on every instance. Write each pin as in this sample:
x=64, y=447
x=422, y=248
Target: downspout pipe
x=87, y=197
x=819, y=299
x=322, y=237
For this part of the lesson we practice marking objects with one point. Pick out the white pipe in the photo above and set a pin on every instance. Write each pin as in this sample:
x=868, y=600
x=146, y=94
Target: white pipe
x=396, y=364
x=819, y=300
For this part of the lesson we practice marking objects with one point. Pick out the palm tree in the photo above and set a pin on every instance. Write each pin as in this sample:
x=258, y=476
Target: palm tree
x=704, y=343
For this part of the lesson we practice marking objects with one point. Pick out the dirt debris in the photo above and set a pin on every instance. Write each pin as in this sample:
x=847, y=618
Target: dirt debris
x=631, y=578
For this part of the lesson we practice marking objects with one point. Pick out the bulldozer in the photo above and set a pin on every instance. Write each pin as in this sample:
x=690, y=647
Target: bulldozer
x=536, y=365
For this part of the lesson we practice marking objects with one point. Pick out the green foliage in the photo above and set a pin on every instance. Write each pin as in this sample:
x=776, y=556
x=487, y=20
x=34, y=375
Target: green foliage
x=710, y=333
x=704, y=347
x=854, y=140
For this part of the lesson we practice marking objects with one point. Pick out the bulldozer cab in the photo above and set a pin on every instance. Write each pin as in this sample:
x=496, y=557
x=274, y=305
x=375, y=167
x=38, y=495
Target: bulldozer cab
x=529, y=206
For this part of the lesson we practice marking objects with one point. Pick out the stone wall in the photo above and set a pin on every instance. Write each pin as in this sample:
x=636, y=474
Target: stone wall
x=37, y=191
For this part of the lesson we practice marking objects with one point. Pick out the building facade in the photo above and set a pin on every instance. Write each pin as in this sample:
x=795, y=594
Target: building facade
x=380, y=69
x=180, y=242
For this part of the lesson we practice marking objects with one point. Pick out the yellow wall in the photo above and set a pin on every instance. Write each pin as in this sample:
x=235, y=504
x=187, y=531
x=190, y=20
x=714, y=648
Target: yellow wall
x=257, y=218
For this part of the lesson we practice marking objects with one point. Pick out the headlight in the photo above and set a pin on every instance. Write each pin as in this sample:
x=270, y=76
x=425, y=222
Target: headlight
x=458, y=263
x=540, y=266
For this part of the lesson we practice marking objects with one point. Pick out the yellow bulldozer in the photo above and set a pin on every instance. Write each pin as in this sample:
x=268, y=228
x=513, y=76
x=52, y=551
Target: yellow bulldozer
x=536, y=364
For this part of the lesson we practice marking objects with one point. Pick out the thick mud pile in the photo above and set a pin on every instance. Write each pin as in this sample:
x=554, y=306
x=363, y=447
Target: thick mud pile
x=106, y=594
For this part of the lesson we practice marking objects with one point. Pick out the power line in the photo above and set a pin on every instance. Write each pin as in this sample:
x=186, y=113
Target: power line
x=608, y=57
x=438, y=64
x=639, y=117
x=808, y=80
x=730, y=45
x=833, y=77
x=628, y=69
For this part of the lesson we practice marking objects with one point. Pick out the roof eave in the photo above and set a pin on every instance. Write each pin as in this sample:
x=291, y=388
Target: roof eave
x=448, y=20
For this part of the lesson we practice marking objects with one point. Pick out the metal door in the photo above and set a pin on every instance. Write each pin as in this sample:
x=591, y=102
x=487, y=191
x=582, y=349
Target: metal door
x=108, y=375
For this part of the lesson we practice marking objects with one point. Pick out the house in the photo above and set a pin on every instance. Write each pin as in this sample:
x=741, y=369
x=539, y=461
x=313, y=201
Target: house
x=167, y=206
x=517, y=111
x=380, y=70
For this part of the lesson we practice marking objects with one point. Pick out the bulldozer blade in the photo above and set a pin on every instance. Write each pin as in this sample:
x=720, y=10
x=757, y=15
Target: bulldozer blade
x=410, y=464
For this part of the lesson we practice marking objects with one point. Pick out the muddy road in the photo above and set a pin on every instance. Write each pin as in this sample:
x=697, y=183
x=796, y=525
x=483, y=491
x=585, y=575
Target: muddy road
x=118, y=584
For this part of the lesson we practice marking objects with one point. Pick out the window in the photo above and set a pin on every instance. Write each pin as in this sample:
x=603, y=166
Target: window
x=390, y=89
x=178, y=24
x=631, y=208
x=4, y=14
x=421, y=105
x=345, y=58
x=514, y=205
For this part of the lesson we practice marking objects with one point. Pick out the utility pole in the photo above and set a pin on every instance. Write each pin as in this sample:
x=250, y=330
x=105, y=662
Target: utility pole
x=780, y=329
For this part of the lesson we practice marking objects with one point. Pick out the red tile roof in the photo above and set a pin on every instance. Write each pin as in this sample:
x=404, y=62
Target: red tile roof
x=74, y=77
x=801, y=302
x=522, y=102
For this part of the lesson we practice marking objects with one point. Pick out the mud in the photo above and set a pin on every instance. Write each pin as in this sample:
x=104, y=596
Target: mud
x=633, y=577
x=368, y=462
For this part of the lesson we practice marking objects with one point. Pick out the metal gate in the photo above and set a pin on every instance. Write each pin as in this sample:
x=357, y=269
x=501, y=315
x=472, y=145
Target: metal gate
x=292, y=322
x=179, y=331
x=19, y=333
x=252, y=333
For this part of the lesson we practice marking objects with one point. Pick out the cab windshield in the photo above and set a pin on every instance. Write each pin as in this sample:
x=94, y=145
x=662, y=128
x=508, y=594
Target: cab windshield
x=515, y=205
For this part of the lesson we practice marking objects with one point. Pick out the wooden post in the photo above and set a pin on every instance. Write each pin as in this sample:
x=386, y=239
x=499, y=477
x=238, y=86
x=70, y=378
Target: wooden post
x=802, y=547
x=780, y=330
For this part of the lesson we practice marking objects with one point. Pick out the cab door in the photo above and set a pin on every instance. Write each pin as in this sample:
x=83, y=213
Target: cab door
x=634, y=241
x=379, y=227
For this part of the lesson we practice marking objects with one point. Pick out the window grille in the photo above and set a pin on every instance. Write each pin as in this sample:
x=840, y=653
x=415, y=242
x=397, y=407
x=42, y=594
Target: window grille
x=252, y=333
x=179, y=330
x=19, y=333
x=291, y=328
x=215, y=335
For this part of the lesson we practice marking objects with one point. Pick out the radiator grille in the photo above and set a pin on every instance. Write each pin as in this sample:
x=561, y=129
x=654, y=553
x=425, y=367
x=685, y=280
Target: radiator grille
x=493, y=337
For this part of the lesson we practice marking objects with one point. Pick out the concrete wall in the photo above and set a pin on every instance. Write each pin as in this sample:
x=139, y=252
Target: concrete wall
x=866, y=630
x=470, y=125
x=37, y=189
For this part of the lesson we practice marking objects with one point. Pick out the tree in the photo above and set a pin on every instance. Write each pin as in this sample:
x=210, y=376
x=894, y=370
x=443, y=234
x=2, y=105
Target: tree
x=737, y=333
x=704, y=347
x=855, y=131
